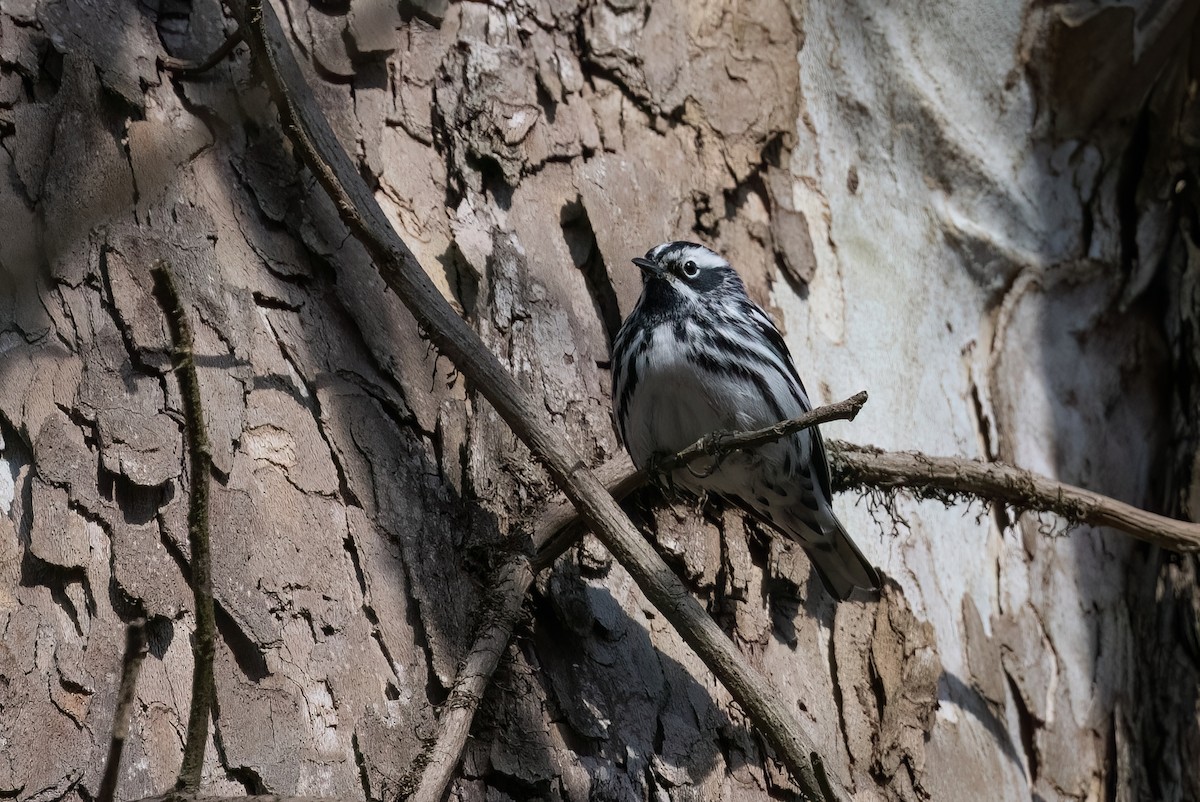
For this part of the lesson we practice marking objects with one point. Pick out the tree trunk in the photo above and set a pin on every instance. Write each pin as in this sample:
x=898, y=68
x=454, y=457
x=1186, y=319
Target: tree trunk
x=987, y=216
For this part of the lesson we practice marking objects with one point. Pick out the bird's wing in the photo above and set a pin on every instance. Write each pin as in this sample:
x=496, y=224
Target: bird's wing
x=765, y=327
x=820, y=465
x=774, y=340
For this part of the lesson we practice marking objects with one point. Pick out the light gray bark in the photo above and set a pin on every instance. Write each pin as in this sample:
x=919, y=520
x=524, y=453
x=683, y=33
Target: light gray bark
x=970, y=209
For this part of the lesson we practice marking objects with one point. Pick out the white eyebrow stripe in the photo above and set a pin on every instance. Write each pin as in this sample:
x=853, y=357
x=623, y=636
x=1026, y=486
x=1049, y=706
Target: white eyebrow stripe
x=682, y=251
x=703, y=257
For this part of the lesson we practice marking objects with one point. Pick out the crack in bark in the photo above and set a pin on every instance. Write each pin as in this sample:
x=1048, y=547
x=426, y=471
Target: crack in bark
x=312, y=402
x=585, y=251
x=1029, y=724
x=368, y=610
x=360, y=760
x=839, y=699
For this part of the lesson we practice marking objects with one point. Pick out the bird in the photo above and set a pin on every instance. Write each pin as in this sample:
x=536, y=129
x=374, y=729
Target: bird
x=695, y=356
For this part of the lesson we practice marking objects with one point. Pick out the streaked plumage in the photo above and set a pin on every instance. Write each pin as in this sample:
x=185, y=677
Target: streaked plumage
x=695, y=356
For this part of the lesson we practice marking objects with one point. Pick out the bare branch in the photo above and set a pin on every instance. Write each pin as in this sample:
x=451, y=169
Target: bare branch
x=860, y=466
x=719, y=444
x=320, y=150
x=561, y=526
x=131, y=665
x=200, y=461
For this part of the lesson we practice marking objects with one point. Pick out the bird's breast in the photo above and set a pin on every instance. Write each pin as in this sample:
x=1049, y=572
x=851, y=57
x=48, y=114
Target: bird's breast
x=676, y=403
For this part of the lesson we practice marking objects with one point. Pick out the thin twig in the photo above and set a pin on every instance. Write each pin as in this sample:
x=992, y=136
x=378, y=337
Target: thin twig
x=863, y=467
x=189, y=69
x=719, y=444
x=860, y=466
x=319, y=148
x=621, y=479
x=200, y=461
x=131, y=665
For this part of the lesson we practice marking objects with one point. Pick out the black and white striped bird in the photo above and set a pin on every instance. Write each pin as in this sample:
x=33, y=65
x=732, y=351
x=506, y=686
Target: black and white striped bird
x=695, y=356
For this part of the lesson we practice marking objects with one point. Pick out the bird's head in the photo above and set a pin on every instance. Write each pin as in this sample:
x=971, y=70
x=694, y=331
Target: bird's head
x=684, y=272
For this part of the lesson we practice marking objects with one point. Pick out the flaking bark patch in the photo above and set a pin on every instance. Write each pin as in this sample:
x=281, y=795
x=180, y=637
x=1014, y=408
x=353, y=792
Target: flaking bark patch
x=364, y=487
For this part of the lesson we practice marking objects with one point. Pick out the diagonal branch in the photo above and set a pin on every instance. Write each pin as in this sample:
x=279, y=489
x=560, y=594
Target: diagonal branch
x=557, y=529
x=320, y=150
x=512, y=584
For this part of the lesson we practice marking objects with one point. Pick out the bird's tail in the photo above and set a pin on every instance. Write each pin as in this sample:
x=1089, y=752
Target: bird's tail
x=838, y=562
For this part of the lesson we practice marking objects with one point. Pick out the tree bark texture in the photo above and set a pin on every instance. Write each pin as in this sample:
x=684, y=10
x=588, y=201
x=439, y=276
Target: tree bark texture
x=984, y=213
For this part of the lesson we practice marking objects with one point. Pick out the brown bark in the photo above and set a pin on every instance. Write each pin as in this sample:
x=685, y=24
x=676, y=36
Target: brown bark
x=364, y=491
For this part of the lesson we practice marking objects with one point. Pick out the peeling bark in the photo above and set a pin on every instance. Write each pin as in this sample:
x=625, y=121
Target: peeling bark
x=971, y=214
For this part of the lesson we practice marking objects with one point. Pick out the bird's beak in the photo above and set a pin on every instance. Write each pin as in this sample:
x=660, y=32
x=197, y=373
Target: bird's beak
x=647, y=267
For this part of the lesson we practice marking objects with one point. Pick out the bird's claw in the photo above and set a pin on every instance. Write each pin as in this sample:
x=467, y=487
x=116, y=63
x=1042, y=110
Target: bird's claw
x=660, y=477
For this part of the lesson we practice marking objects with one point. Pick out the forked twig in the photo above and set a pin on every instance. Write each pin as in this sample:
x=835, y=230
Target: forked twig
x=560, y=526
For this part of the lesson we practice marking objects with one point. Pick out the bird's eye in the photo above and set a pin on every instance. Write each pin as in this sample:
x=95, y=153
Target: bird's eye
x=690, y=270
